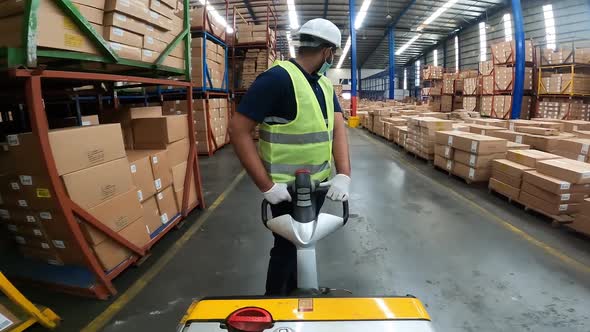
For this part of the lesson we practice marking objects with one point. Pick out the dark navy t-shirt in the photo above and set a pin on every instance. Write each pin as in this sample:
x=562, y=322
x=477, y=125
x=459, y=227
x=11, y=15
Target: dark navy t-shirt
x=271, y=96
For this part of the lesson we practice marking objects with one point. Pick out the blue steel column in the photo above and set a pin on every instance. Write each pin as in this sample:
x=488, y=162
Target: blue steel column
x=391, y=37
x=353, y=101
x=520, y=55
x=360, y=87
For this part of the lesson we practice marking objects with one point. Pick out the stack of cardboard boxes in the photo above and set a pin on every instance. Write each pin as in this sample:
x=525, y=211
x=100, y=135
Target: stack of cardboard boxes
x=400, y=133
x=389, y=124
x=558, y=108
x=93, y=166
x=471, y=94
x=255, y=34
x=486, y=80
x=202, y=20
x=421, y=135
x=470, y=155
x=565, y=84
x=135, y=30
x=213, y=76
x=507, y=174
x=433, y=83
x=255, y=63
x=581, y=221
x=218, y=110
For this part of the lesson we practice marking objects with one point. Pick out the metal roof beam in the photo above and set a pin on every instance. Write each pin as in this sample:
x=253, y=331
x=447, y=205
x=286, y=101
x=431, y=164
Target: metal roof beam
x=325, y=8
x=250, y=10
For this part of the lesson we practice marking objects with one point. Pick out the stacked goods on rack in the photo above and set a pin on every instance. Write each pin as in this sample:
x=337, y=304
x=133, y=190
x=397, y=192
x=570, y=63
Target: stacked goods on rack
x=208, y=63
x=470, y=154
x=562, y=56
x=432, y=86
x=255, y=34
x=202, y=20
x=96, y=175
x=565, y=83
x=486, y=82
x=421, y=135
x=581, y=222
x=554, y=108
x=211, y=138
x=255, y=63
x=135, y=31
x=472, y=93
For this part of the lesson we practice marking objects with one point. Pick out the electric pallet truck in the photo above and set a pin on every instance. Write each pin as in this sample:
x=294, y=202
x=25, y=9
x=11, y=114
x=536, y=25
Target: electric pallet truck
x=309, y=308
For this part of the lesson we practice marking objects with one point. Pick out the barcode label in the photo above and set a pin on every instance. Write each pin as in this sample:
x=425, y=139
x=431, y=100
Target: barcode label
x=164, y=218
x=120, y=17
x=474, y=146
x=86, y=123
x=37, y=232
x=150, y=40
x=511, y=126
x=14, y=186
x=565, y=197
x=4, y=214
x=59, y=244
x=585, y=148
x=46, y=215
x=118, y=32
x=450, y=141
x=140, y=195
x=449, y=164
x=160, y=196
x=563, y=207
x=447, y=152
x=26, y=180
x=31, y=219
x=158, y=184
x=22, y=203
x=472, y=160
x=518, y=139
x=133, y=168
x=155, y=159
x=471, y=173
x=12, y=140
x=44, y=245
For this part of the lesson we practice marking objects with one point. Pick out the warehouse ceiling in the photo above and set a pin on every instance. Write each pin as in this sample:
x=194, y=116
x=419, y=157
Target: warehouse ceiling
x=372, y=43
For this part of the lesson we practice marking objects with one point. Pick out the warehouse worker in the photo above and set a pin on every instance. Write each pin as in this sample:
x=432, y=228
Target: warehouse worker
x=301, y=127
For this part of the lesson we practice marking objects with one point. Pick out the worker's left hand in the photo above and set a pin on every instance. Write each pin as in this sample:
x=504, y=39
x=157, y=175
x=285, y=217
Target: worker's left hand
x=339, y=187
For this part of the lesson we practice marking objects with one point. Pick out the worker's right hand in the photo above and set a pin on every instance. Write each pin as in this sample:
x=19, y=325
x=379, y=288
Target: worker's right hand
x=278, y=193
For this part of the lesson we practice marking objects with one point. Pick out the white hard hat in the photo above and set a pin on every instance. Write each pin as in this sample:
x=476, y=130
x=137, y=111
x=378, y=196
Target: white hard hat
x=322, y=29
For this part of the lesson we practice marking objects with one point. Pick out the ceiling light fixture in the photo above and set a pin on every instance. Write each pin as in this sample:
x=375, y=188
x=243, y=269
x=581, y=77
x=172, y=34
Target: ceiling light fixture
x=293, y=20
x=406, y=45
x=344, y=52
x=291, y=46
x=436, y=14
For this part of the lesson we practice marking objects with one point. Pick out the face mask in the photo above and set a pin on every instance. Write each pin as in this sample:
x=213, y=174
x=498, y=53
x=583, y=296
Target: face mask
x=324, y=68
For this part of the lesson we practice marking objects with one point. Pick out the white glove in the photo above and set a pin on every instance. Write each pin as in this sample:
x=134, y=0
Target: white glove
x=339, y=187
x=278, y=193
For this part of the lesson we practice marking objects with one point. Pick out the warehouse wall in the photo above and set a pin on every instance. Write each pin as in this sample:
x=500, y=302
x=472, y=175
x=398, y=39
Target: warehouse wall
x=572, y=24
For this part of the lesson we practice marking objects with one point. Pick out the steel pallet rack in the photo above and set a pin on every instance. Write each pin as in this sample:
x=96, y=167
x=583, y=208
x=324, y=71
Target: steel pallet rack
x=30, y=55
x=89, y=280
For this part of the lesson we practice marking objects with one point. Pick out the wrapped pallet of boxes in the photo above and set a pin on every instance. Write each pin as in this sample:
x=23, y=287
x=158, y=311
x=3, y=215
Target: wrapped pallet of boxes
x=472, y=86
x=421, y=135
x=486, y=106
x=556, y=187
x=473, y=153
x=486, y=67
x=96, y=176
x=581, y=221
x=504, y=79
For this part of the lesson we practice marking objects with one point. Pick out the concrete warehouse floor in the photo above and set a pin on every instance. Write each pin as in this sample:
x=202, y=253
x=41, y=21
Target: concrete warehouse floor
x=477, y=262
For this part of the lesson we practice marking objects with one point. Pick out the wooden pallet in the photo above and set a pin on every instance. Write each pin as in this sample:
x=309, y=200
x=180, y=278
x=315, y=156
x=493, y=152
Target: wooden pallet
x=556, y=220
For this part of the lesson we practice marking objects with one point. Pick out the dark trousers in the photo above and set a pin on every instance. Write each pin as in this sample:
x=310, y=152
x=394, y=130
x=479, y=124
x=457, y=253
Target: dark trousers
x=281, y=279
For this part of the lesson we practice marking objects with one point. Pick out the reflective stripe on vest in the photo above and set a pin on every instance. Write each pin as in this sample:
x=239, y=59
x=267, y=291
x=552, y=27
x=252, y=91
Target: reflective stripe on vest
x=288, y=145
x=279, y=138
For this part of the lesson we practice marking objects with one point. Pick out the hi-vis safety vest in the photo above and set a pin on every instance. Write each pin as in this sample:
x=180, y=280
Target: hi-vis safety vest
x=304, y=143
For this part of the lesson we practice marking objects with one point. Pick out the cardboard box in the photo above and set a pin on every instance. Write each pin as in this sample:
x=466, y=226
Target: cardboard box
x=556, y=186
x=478, y=144
x=545, y=143
x=126, y=22
x=470, y=173
x=93, y=15
x=161, y=169
x=178, y=175
x=573, y=171
x=92, y=186
x=547, y=207
x=110, y=254
x=135, y=8
x=444, y=151
x=118, y=35
x=126, y=51
x=156, y=133
x=529, y=158
x=512, y=181
x=178, y=152
x=90, y=120
x=443, y=163
x=482, y=129
x=153, y=44
x=192, y=198
x=162, y=8
x=510, y=168
x=576, y=146
x=517, y=146
x=166, y=205
x=550, y=197
x=141, y=172
x=82, y=147
x=476, y=161
x=127, y=115
x=151, y=214
x=538, y=131
x=504, y=188
x=116, y=213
